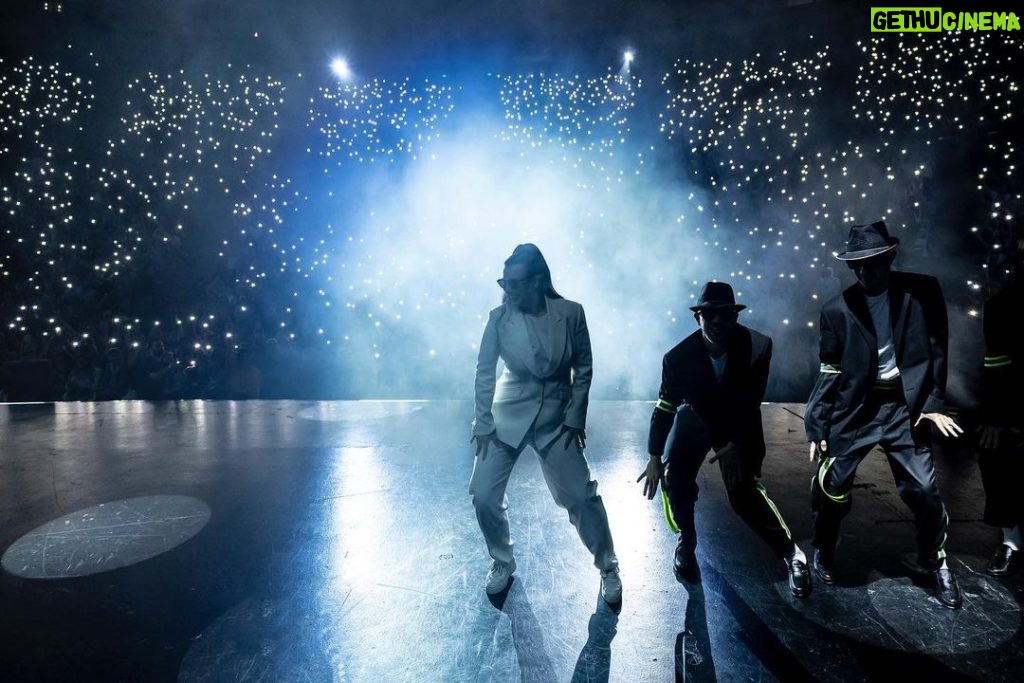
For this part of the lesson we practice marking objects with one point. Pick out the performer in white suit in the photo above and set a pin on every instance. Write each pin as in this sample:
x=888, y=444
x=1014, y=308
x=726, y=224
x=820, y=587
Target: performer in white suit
x=539, y=401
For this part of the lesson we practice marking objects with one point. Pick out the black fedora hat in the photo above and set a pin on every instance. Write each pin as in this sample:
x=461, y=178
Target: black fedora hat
x=866, y=241
x=716, y=295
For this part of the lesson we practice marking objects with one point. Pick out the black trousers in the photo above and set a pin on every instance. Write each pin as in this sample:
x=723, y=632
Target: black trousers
x=1002, y=475
x=690, y=444
x=913, y=469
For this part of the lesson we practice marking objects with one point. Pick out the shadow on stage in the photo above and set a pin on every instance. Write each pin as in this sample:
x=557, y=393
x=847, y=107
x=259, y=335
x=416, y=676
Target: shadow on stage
x=594, y=662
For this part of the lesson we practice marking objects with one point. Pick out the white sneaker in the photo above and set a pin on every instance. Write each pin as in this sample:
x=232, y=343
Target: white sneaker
x=611, y=586
x=499, y=576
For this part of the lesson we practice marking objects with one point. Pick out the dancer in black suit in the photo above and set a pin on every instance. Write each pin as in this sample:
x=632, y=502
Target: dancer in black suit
x=1002, y=431
x=882, y=381
x=711, y=389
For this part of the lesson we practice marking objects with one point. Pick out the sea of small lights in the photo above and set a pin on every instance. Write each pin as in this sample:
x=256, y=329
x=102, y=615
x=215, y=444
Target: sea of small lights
x=946, y=89
x=751, y=121
x=587, y=120
x=379, y=120
x=752, y=126
x=747, y=131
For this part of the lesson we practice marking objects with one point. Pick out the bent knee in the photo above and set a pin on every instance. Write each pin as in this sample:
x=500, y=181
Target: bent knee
x=488, y=503
x=742, y=494
x=575, y=499
x=927, y=493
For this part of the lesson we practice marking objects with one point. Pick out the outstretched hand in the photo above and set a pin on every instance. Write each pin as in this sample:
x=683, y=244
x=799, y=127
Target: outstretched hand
x=654, y=474
x=947, y=425
x=727, y=452
x=482, y=442
x=818, y=449
x=988, y=437
x=573, y=434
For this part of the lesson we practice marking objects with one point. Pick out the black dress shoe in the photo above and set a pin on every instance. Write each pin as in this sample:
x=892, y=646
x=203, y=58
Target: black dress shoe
x=946, y=588
x=1005, y=561
x=825, y=567
x=799, y=577
x=684, y=564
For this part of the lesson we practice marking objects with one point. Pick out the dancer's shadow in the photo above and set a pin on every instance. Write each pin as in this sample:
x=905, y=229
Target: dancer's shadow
x=693, y=645
x=754, y=639
x=595, y=660
x=527, y=635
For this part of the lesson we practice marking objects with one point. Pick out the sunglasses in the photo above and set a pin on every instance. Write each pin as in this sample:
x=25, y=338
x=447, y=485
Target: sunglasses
x=718, y=313
x=510, y=285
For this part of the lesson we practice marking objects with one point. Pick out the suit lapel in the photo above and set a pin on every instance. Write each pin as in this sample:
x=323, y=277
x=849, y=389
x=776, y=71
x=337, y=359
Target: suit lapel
x=515, y=339
x=899, y=308
x=700, y=360
x=556, y=331
x=739, y=355
x=858, y=305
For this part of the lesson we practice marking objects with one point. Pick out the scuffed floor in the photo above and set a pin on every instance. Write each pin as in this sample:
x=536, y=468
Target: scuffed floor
x=335, y=541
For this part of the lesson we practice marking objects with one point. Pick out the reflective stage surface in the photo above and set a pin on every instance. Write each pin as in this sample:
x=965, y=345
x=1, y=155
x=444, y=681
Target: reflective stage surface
x=335, y=541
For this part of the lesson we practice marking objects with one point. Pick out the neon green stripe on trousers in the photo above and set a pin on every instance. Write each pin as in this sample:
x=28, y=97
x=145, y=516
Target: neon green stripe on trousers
x=775, y=511
x=669, y=519
x=822, y=470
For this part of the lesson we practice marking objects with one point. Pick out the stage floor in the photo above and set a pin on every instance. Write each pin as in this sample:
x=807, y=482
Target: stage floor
x=335, y=541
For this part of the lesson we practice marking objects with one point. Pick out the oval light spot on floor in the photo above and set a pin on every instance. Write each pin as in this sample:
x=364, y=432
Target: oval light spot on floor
x=106, y=536
x=990, y=616
x=899, y=612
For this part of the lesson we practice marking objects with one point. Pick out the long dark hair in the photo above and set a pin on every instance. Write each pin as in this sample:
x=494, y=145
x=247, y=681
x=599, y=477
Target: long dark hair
x=529, y=256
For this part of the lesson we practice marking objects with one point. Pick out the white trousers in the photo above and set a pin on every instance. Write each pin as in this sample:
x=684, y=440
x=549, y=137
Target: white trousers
x=568, y=478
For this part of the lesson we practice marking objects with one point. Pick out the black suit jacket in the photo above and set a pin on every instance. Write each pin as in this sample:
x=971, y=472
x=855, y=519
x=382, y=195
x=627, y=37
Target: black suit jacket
x=730, y=409
x=849, y=356
x=1002, y=377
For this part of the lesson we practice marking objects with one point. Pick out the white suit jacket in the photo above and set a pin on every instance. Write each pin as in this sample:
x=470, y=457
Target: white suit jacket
x=527, y=394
